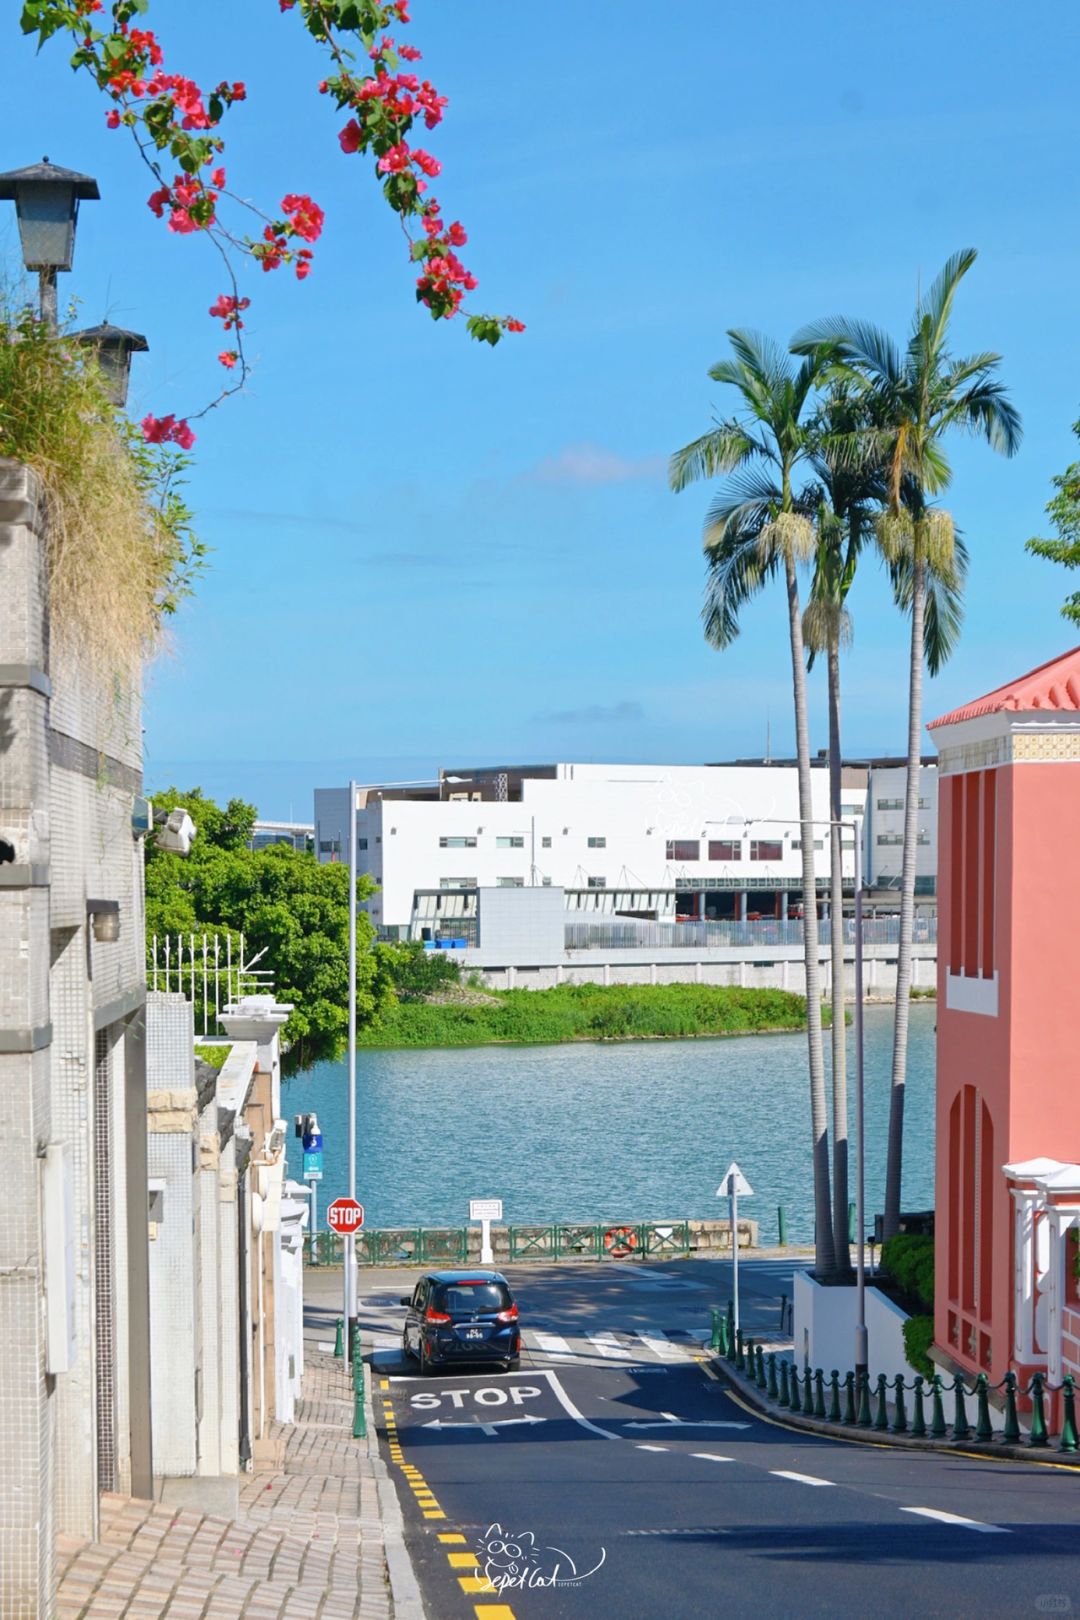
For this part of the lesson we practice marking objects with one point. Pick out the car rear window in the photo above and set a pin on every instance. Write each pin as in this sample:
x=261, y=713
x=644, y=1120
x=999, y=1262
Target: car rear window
x=463, y=1298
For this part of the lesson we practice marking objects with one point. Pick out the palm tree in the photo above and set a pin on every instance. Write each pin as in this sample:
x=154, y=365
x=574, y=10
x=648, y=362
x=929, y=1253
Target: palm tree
x=850, y=483
x=921, y=394
x=755, y=529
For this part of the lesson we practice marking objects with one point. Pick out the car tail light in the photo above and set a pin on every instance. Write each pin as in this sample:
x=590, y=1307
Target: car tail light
x=432, y=1315
x=508, y=1316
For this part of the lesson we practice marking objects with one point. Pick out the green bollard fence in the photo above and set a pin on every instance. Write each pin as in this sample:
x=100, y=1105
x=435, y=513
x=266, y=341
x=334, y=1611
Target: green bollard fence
x=899, y=1424
x=1011, y=1431
x=359, y=1423
x=795, y=1401
x=918, y=1415
x=819, y=1394
x=740, y=1351
x=834, y=1396
x=984, y=1429
x=714, y=1341
x=849, y=1397
x=1037, y=1436
x=772, y=1389
x=938, y=1431
x=1068, y=1414
x=725, y=1339
x=781, y=1226
x=961, y=1429
x=881, y=1416
x=762, y=1382
x=808, y=1393
x=731, y=1331
x=864, y=1420
x=785, y=1395
x=783, y=1312
x=339, y=1339
x=851, y=1223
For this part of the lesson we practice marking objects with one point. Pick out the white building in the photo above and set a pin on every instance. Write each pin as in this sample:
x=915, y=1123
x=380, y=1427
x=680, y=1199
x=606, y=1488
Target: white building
x=883, y=829
x=656, y=842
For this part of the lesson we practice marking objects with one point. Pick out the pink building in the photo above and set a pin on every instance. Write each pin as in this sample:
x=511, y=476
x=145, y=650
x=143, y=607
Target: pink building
x=1008, y=1047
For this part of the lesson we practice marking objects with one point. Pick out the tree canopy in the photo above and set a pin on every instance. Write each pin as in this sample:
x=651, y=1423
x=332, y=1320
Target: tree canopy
x=281, y=900
x=1064, y=514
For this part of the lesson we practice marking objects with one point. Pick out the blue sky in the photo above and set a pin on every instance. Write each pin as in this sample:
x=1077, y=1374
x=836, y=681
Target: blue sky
x=429, y=552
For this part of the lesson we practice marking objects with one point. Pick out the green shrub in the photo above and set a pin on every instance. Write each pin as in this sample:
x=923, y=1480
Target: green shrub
x=909, y=1260
x=415, y=972
x=589, y=1012
x=214, y=1055
x=918, y=1337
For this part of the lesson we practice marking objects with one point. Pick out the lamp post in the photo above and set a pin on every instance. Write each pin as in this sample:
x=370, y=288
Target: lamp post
x=350, y=1241
x=113, y=348
x=47, y=199
x=862, y=1357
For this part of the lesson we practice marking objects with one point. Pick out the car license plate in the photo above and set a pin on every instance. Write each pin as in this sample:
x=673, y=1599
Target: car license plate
x=474, y=1333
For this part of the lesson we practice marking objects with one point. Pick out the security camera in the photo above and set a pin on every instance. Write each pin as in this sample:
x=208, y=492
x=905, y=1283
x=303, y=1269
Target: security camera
x=176, y=832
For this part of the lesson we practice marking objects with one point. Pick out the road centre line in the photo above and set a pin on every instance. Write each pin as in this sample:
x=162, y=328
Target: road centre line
x=710, y=1456
x=642, y=1447
x=958, y=1519
x=800, y=1479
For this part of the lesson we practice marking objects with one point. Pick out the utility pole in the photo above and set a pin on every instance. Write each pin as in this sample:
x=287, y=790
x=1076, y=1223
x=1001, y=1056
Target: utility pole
x=350, y=1240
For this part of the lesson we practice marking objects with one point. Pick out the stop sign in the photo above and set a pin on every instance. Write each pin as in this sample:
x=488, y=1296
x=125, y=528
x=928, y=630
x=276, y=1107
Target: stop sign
x=345, y=1216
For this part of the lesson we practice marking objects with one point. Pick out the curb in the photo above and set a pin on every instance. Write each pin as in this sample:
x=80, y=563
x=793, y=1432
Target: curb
x=404, y=1586
x=749, y=1396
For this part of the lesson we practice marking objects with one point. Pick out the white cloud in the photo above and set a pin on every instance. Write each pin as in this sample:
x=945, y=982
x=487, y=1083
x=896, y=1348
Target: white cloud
x=591, y=464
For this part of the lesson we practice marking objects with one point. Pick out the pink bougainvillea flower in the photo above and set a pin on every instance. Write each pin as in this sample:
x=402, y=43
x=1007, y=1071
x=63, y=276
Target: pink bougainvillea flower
x=350, y=137
x=228, y=358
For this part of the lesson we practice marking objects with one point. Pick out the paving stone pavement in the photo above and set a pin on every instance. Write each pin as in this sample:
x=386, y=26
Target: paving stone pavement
x=308, y=1543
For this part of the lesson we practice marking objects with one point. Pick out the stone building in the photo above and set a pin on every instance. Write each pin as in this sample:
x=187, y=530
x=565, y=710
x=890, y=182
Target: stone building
x=74, y=1306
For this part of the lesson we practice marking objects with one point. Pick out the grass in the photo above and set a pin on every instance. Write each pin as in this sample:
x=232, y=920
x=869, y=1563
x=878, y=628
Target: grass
x=588, y=1012
x=118, y=545
x=214, y=1055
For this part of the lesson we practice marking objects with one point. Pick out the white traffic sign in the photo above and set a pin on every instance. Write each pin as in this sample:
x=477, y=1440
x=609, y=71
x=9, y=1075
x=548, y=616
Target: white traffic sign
x=485, y=1209
x=742, y=1188
x=733, y=1184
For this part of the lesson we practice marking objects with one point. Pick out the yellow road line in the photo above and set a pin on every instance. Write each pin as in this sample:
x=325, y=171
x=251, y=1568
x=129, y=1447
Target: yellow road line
x=451, y=1535
x=434, y=1513
x=493, y=1611
x=465, y=1560
x=384, y=1383
x=475, y=1583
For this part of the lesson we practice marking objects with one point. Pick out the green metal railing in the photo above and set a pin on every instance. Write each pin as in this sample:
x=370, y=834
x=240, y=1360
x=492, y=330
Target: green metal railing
x=422, y=1246
x=881, y=1403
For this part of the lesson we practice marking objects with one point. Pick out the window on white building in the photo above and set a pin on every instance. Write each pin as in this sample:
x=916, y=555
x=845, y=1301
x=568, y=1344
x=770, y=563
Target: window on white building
x=598, y=883
x=890, y=838
x=597, y=843
x=457, y=883
x=545, y=843
x=511, y=841
x=457, y=843
x=852, y=809
x=725, y=849
x=890, y=804
x=361, y=843
x=509, y=883
x=683, y=849
x=796, y=843
x=329, y=846
x=766, y=849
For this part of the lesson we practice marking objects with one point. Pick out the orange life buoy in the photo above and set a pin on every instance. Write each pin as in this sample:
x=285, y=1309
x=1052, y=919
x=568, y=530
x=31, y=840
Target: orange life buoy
x=620, y=1241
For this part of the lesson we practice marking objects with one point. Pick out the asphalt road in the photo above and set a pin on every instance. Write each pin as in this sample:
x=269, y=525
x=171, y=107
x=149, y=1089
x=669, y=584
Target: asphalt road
x=617, y=1476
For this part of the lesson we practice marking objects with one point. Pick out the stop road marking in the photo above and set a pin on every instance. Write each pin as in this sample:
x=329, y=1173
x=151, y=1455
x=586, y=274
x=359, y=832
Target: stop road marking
x=495, y=1395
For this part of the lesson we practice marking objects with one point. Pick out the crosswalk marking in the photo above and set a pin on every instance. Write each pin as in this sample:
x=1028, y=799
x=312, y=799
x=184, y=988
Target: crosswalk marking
x=552, y=1343
x=608, y=1345
x=662, y=1347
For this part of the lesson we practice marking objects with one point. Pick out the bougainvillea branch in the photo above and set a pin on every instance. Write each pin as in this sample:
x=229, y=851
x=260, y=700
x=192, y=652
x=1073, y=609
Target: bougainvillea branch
x=176, y=127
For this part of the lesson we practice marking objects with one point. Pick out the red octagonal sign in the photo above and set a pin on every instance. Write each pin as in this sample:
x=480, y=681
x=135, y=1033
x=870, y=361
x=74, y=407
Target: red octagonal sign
x=345, y=1216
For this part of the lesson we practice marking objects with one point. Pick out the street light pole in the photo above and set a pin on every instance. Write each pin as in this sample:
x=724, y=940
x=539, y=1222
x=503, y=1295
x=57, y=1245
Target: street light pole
x=350, y=1240
x=862, y=1351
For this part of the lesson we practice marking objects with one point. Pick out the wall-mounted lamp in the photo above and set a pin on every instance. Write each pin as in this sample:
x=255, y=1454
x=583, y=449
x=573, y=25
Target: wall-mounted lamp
x=47, y=199
x=104, y=917
x=113, y=348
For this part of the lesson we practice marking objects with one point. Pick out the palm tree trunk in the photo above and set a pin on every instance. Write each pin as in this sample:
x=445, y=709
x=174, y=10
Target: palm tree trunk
x=895, y=1161
x=839, y=1033
x=824, y=1251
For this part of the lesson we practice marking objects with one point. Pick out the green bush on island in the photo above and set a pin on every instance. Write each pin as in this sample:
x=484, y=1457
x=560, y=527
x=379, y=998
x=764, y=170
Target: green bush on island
x=918, y=1337
x=586, y=1012
x=909, y=1261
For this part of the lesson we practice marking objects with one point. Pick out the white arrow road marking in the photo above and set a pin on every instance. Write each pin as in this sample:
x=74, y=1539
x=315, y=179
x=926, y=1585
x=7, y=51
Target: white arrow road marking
x=956, y=1518
x=800, y=1479
x=487, y=1428
x=689, y=1423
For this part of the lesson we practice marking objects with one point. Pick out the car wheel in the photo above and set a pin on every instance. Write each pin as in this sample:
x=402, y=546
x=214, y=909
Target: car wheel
x=514, y=1364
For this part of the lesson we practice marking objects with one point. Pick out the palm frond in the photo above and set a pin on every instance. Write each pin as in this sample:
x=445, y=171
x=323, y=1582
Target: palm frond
x=736, y=573
x=763, y=356
x=985, y=409
x=936, y=306
x=858, y=343
x=718, y=451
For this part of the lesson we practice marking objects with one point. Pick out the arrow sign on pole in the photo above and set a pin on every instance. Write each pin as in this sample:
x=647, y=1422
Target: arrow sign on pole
x=733, y=1184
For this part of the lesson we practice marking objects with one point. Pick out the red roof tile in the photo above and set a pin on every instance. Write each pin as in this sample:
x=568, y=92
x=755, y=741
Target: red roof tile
x=1055, y=685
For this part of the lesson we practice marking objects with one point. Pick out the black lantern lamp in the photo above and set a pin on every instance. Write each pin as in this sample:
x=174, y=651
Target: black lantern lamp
x=47, y=200
x=114, y=348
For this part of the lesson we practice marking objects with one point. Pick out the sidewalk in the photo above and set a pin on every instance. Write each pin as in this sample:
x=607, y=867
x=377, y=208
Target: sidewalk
x=310, y=1541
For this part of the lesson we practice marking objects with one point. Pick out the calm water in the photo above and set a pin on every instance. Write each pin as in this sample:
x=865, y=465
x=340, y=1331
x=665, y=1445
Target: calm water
x=605, y=1132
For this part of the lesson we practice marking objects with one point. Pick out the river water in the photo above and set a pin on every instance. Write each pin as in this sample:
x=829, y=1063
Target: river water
x=607, y=1132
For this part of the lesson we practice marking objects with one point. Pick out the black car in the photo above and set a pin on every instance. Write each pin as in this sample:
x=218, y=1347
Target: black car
x=457, y=1316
